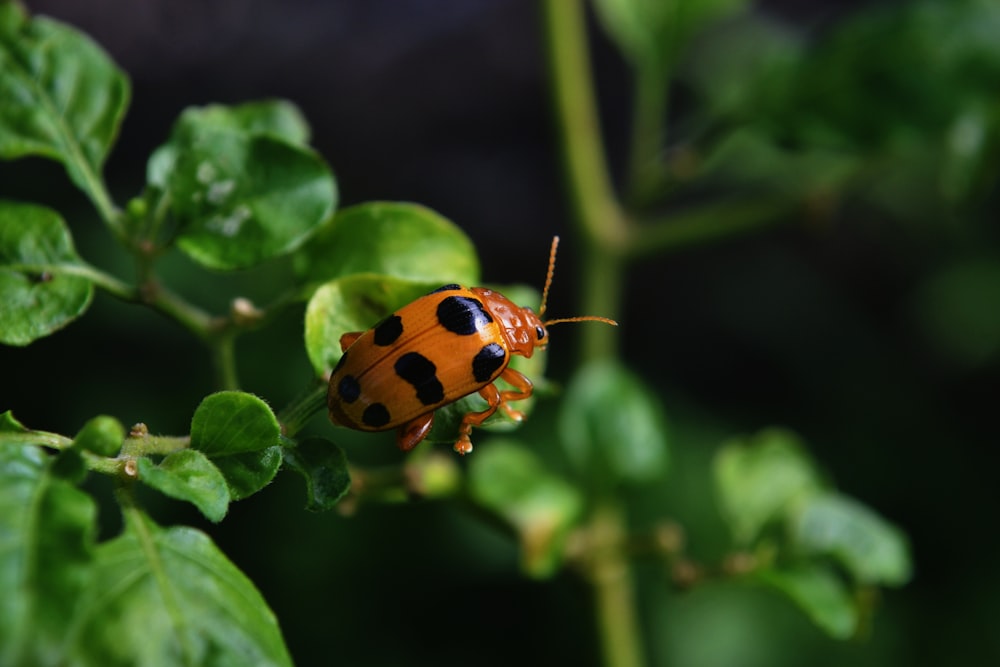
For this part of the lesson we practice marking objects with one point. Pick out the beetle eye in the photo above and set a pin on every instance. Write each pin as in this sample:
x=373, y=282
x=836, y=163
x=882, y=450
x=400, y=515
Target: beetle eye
x=540, y=332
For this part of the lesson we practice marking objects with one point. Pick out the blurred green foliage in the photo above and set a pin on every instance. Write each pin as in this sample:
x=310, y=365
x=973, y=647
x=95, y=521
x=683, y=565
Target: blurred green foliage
x=615, y=493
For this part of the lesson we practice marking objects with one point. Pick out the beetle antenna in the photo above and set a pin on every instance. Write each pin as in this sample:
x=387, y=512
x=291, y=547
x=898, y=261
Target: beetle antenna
x=548, y=276
x=545, y=295
x=584, y=318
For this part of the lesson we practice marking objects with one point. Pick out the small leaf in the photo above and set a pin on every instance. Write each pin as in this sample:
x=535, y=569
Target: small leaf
x=249, y=472
x=394, y=239
x=189, y=475
x=819, y=593
x=277, y=118
x=760, y=480
x=612, y=426
x=511, y=481
x=242, y=193
x=36, y=297
x=170, y=597
x=63, y=98
x=869, y=547
x=232, y=422
x=9, y=424
x=47, y=529
x=324, y=467
x=352, y=303
x=102, y=435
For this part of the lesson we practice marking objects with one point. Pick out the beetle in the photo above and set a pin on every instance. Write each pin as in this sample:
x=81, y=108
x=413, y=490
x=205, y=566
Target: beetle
x=434, y=351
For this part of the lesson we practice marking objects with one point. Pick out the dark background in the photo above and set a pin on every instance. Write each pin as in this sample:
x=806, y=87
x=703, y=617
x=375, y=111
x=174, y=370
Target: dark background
x=446, y=104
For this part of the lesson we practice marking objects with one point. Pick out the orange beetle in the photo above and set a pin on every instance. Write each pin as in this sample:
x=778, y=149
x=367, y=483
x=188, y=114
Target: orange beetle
x=432, y=352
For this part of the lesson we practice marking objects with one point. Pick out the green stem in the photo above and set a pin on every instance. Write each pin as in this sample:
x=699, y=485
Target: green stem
x=607, y=233
x=609, y=571
x=224, y=360
x=301, y=410
x=707, y=223
x=590, y=190
x=157, y=297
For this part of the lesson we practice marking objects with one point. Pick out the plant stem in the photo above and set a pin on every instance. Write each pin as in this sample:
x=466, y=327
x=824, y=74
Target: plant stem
x=590, y=189
x=609, y=573
x=706, y=223
x=224, y=360
x=607, y=233
x=295, y=415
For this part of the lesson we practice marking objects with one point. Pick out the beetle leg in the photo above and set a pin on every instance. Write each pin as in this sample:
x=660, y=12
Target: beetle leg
x=493, y=398
x=348, y=339
x=522, y=390
x=411, y=433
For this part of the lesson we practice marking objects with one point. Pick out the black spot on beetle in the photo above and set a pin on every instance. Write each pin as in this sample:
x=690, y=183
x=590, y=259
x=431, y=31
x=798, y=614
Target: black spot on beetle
x=462, y=315
x=348, y=389
x=447, y=288
x=421, y=372
x=539, y=333
x=487, y=361
x=375, y=415
x=388, y=330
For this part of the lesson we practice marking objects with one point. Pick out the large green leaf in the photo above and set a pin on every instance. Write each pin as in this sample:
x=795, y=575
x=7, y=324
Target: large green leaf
x=396, y=239
x=612, y=425
x=242, y=185
x=47, y=529
x=63, y=98
x=37, y=294
x=170, y=597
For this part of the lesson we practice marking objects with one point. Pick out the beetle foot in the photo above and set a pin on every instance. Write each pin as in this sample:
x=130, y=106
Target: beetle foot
x=464, y=445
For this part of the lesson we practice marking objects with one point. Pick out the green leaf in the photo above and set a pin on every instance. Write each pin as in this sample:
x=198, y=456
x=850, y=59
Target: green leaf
x=242, y=192
x=512, y=482
x=170, y=597
x=819, y=593
x=394, y=239
x=760, y=480
x=249, y=472
x=352, y=303
x=324, y=467
x=612, y=425
x=9, y=424
x=869, y=547
x=37, y=294
x=233, y=422
x=189, y=475
x=102, y=435
x=47, y=529
x=63, y=98
x=277, y=118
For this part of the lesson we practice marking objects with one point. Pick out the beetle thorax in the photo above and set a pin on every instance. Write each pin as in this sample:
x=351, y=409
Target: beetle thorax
x=521, y=327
